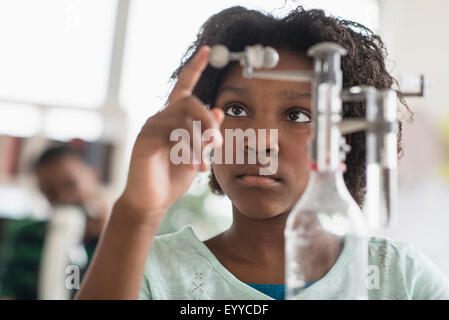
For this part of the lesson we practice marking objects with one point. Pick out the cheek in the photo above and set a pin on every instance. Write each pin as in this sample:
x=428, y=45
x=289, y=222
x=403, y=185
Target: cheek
x=220, y=174
x=294, y=154
x=296, y=142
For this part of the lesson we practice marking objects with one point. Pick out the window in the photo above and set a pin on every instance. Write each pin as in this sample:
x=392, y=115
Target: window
x=56, y=51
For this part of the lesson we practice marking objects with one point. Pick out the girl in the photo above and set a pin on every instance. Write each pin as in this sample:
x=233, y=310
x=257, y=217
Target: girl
x=247, y=260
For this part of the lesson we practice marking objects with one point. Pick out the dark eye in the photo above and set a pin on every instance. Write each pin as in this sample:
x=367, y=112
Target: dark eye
x=298, y=116
x=235, y=110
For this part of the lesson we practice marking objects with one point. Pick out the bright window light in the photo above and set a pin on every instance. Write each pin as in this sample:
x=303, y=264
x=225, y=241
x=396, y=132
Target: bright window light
x=56, y=51
x=15, y=202
x=64, y=125
x=19, y=120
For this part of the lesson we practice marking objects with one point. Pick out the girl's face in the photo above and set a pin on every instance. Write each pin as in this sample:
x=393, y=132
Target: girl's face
x=267, y=104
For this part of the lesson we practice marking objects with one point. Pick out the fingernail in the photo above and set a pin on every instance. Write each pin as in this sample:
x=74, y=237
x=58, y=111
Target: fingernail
x=204, y=50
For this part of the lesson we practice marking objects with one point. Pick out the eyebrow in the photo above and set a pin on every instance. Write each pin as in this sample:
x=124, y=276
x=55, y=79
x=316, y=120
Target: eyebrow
x=294, y=95
x=237, y=90
x=288, y=94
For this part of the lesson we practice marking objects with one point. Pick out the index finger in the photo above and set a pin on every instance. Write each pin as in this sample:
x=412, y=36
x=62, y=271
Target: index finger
x=190, y=75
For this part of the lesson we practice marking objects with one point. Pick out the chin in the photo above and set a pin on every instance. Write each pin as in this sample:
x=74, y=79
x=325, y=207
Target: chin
x=260, y=209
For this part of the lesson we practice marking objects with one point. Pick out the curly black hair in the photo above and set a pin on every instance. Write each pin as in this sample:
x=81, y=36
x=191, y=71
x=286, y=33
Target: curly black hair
x=364, y=64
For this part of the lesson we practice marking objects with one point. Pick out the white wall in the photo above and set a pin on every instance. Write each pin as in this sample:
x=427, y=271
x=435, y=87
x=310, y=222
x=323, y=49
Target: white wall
x=416, y=33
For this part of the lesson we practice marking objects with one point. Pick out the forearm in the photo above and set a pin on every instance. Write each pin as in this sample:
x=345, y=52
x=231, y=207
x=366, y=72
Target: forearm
x=118, y=265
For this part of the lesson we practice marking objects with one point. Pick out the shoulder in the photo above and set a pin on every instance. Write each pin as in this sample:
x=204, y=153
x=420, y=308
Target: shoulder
x=31, y=230
x=182, y=243
x=404, y=271
x=174, y=236
x=388, y=252
x=28, y=239
x=177, y=265
x=385, y=251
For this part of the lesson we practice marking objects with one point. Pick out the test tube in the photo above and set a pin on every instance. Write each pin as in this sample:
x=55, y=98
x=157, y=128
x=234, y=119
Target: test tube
x=381, y=140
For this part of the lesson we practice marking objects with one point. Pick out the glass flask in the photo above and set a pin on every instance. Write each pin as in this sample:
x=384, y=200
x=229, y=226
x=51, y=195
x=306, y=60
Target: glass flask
x=326, y=233
x=326, y=246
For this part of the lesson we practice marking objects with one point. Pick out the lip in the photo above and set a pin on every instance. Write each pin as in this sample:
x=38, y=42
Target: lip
x=257, y=181
x=250, y=176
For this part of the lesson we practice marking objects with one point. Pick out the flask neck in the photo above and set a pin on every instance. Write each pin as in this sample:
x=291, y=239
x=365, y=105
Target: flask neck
x=329, y=185
x=328, y=177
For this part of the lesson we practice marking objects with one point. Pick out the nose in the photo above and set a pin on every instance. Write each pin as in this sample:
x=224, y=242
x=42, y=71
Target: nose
x=266, y=143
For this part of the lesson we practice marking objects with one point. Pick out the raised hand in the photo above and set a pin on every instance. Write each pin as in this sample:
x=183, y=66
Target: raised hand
x=154, y=181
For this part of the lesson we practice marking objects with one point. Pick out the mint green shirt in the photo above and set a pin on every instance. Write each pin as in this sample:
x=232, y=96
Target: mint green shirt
x=181, y=267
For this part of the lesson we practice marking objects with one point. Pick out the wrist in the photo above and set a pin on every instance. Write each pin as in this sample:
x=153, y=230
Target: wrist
x=135, y=215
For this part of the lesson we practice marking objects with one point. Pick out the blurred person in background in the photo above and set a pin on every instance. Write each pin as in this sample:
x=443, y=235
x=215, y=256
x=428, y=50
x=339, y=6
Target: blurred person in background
x=65, y=179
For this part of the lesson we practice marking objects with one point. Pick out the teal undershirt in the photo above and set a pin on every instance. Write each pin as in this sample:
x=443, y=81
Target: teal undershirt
x=276, y=291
